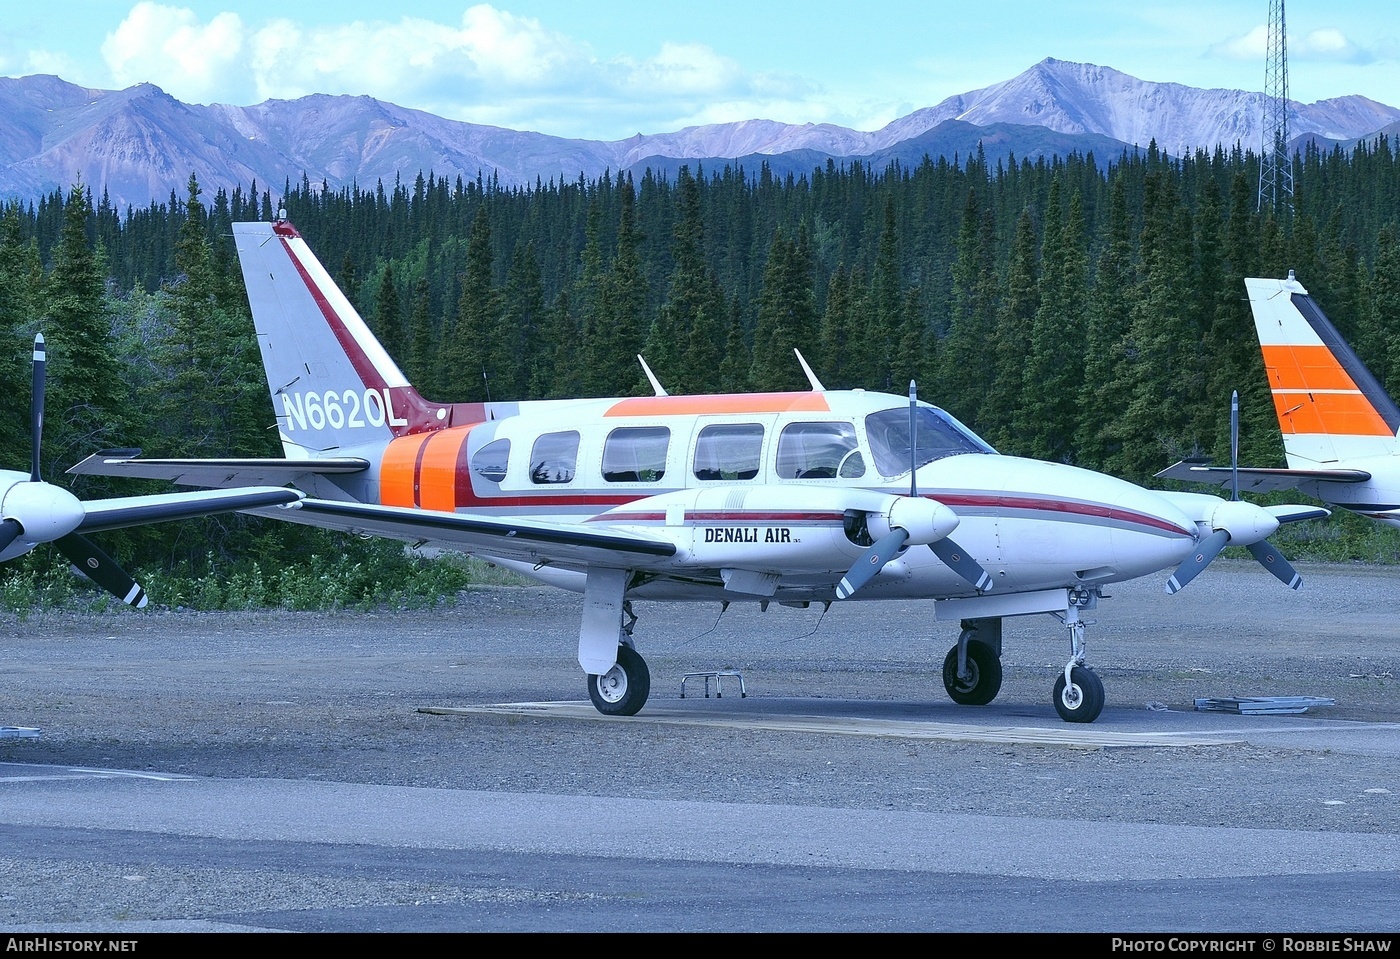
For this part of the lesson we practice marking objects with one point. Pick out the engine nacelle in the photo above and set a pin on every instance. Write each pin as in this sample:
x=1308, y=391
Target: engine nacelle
x=1245, y=522
x=781, y=528
x=925, y=520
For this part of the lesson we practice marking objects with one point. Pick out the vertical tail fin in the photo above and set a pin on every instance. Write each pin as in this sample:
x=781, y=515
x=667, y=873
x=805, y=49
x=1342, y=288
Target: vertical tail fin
x=333, y=385
x=1330, y=408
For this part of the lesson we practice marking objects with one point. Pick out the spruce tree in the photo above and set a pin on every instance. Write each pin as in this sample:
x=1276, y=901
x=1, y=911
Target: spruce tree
x=1052, y=389
x=86, y=402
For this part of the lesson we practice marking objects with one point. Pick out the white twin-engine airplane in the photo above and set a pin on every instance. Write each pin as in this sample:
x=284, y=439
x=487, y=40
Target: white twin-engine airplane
x=34, y=512
x=794, y=498
x=1338, y=423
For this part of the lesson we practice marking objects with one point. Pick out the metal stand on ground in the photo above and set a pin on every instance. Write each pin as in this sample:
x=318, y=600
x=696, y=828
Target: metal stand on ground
x=715, y=675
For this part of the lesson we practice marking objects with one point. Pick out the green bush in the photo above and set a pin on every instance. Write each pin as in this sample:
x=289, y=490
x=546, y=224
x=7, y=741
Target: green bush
x=351, y=574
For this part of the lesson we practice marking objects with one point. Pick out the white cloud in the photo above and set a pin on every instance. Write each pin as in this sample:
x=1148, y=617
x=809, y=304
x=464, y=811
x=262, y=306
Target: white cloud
x=490, y=66
x=1329, y=44
x=414, y=58
x=1253, y=45
x=498, y=68
x=170, y=47
x=686, y=69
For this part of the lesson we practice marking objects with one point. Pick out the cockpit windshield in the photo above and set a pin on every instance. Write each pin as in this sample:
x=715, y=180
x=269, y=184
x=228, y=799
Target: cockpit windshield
x=938, y=435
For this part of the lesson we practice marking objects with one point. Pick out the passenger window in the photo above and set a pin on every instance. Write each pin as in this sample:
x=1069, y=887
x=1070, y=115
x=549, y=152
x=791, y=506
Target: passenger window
x=636, y=454
x=554, y=458
x=729, y=451
x=819, y=451
x=490, y=461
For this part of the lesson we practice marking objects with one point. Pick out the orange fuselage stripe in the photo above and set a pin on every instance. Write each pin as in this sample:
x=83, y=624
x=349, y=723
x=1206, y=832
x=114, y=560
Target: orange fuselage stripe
x=398, y=470
x=437, y=469
x=729, y=403
x=421, y=469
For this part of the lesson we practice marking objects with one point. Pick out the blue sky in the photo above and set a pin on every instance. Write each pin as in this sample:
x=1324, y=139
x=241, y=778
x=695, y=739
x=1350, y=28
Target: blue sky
x=612, y=69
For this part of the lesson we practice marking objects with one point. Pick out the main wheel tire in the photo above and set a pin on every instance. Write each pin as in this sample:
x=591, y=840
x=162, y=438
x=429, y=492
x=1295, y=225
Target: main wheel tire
x=622, y=690
x=984, y=679
x=1081, y=700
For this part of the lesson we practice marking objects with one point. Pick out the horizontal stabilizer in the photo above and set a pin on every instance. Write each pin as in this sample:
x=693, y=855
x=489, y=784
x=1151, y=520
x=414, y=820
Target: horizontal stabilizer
x=1257, y=479
x=215, y=473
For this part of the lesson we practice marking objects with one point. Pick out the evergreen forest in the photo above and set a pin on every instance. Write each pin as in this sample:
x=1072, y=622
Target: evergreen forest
x=1084, y=310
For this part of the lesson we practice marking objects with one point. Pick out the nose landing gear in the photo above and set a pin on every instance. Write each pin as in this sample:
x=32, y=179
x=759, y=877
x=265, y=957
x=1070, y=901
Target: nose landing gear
x=1078, y=694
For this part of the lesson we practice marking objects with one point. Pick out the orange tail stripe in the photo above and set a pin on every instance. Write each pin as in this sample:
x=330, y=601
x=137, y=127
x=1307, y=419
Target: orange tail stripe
x=398, y=470
x=1305, y=368
x=1345, y=414
x=437, y=471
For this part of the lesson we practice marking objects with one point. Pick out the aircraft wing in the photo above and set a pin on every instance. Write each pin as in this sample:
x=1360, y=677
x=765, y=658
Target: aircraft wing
x=122, y=511
x=1257, y=479
x=214, y=473
x=1297, y=514
x=555, y=544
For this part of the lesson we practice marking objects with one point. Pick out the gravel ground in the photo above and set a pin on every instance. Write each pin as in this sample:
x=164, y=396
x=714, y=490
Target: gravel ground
x=338, y=696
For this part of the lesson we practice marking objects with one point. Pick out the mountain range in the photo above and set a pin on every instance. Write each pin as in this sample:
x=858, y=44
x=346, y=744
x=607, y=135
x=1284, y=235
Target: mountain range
x=140, y=145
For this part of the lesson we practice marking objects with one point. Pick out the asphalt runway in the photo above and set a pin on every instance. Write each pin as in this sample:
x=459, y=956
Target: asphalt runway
x=440, y=772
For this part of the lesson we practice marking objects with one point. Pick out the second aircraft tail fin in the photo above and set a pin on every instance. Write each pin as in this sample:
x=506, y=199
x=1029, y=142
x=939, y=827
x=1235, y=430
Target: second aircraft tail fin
x=1330, y=407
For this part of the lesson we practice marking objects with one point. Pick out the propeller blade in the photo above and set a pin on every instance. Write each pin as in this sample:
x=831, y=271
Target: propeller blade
x=1207, y=550
x=871, y=562
x=956, y=559
x=913, y=439
x=9, y=532
x=36, y=403
x=1235, y=445
x=1272, y=560
x=101, y=569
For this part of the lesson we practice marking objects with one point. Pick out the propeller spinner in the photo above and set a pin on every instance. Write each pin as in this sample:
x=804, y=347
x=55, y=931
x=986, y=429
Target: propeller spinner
x=33, y=511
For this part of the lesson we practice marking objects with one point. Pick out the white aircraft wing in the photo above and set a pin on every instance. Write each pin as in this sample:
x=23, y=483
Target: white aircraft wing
x=215, y=473
x=122, y=511
x=555, y=544
x=1257, y=479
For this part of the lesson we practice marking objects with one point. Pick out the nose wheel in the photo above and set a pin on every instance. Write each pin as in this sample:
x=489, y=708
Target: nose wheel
x=1079, y=698
x=1078, y=693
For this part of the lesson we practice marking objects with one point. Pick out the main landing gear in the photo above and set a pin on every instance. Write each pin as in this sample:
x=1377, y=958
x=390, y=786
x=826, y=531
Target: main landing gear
x=622, y=690
x=972, y=669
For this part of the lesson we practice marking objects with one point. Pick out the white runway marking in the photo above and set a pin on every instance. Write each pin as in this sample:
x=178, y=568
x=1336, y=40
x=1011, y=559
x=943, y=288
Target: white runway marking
x=1083, y=736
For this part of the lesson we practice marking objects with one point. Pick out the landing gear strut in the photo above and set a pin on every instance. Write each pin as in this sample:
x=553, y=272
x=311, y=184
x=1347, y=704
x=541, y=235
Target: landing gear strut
x=1078, y=694
x=618, y=679
x=972, y=669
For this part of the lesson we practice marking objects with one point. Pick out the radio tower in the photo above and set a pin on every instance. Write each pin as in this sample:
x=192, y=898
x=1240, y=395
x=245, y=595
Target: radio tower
x=1275, y=169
